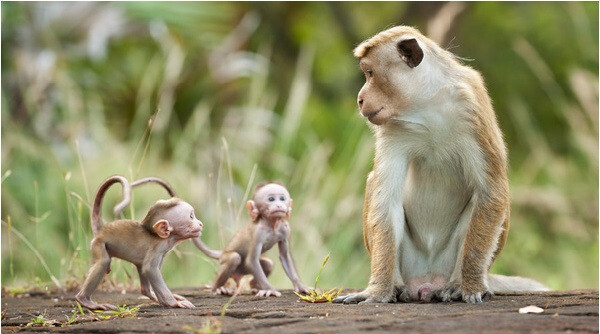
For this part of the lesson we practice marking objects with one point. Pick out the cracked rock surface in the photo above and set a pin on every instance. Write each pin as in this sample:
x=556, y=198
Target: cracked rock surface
x=575, y=311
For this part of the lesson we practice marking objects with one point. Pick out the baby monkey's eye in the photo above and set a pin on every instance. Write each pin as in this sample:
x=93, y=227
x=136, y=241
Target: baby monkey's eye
x=192, y=215
x=271, y=199
x=282, y=198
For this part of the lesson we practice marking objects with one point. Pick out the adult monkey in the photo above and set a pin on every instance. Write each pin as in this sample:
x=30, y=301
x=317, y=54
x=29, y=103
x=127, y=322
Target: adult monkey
x=437, y=205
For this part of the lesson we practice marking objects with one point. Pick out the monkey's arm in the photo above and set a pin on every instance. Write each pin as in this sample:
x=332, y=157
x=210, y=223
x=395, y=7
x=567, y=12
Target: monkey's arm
x=383, y=231
x=253, y=262
x=480, y=244
x=285, y=256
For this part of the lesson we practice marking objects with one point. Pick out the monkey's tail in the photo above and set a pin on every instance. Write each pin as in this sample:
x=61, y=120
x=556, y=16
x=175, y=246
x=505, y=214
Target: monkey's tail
x=119, y=207
x=96, y=219
x=215, y=254
x=501, y=283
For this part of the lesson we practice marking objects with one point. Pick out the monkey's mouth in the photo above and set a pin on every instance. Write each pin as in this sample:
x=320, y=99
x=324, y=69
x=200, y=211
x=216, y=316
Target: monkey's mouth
x=278, y=213
x=372, y=114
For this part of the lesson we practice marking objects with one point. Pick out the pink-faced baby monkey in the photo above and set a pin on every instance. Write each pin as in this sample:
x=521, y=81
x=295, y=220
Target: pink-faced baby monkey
x=144, y=244
x=270, y=209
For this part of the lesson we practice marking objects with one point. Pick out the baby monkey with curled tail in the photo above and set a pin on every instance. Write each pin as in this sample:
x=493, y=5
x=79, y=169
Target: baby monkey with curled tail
x=144, y=243
x=270, y=209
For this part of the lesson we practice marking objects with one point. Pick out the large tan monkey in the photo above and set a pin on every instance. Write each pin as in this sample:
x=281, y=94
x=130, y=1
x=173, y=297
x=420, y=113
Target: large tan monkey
x=437, y=204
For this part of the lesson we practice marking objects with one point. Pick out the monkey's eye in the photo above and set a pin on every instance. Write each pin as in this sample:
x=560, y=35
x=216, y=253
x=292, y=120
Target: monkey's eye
x=271, y=199
x=282, y=198
x=192, y=215
x=369, y=73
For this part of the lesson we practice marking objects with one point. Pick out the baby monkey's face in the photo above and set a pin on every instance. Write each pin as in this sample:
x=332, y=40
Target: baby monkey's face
x=273, y=201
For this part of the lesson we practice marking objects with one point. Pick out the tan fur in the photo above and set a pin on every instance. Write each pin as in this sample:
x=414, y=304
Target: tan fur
x=437, y=204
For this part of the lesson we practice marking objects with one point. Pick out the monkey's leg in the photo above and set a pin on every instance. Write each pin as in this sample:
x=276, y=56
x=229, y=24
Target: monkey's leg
x=480, y=244
x=267, y=266
x=230, y=261
x=100, y=267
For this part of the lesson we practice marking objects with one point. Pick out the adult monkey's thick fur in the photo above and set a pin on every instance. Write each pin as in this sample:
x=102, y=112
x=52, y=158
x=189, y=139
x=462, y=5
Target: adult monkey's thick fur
x=437, y=205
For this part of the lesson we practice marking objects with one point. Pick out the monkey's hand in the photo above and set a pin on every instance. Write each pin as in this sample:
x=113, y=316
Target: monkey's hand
x=224, y=291
x=372, y=294
x=268, y=293
x=453, y=291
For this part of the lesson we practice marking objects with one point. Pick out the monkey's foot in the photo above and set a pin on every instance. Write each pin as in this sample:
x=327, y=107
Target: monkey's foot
x=301, y=288
x=367, y=296
x=454, y=292
x=183, y=304
x=92, y=305
x=477, y=297
x=224, y=291
x=402, y=293
x=268, y=293
x=178, y=297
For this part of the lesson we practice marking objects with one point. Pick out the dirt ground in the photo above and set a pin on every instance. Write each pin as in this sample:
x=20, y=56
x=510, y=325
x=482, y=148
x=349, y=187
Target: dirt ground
x=575, y=311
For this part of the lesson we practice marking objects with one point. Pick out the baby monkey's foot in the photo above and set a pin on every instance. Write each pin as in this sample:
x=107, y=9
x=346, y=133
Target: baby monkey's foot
x=268, y=293
x=182, y=304
x=92, y=305
x=224, y=291
x=179, y=297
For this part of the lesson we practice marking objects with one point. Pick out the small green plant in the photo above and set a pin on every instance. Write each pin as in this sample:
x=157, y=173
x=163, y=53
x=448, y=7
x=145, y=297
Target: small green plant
x=41, y=321
x=123, y=311
x=316, y=295
x=211, y=325
x=76, y=314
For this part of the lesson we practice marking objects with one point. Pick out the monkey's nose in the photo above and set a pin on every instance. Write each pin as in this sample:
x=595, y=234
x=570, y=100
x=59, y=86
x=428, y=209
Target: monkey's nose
x=360, y=102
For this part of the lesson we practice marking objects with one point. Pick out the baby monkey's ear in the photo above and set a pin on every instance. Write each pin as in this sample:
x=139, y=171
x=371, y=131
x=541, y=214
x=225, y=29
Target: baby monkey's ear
x=252, y=210
x=162, y=228
x=289, y=213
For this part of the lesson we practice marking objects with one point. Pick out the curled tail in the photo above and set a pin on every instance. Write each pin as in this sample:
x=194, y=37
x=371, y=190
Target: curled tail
x=96, y=219
x=215, y=254
x=501, y=283
x=119, y=207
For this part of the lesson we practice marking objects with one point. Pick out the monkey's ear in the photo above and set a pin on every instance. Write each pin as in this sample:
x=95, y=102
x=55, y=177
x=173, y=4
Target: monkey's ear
x=289, y=213
x=411, y=52
x=162, y=228
x=252, y=209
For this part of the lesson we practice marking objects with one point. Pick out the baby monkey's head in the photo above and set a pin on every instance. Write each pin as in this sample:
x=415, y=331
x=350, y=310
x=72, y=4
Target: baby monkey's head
x=173, y=218
x=271, y=201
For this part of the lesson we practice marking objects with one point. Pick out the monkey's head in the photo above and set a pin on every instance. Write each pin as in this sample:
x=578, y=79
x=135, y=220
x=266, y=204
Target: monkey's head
x=271, y=201
x=173, y=218
x=402, y=71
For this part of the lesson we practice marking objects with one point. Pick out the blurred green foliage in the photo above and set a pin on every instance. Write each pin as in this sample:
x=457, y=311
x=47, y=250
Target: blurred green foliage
x=256, y=91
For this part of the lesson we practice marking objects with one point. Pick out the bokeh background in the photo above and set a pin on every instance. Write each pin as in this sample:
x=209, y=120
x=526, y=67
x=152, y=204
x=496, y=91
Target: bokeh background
x=215, y=97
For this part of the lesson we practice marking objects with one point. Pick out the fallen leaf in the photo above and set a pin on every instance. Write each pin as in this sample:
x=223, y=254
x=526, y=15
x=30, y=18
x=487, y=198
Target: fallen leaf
x=531, y=309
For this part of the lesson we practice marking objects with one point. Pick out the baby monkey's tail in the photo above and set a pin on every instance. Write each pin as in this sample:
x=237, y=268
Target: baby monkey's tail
x=96, y=219
x=215, y=254
x=119, y=207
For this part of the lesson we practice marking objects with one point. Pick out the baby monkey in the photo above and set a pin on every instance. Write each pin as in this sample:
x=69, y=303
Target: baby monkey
x=270, y=209
x=144, y=243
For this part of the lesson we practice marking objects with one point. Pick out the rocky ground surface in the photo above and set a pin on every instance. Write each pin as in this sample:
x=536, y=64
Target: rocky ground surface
x=574, y=311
